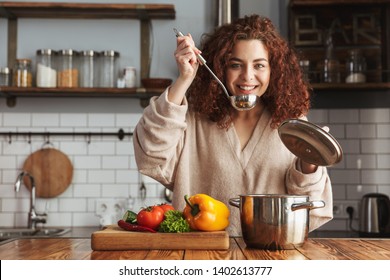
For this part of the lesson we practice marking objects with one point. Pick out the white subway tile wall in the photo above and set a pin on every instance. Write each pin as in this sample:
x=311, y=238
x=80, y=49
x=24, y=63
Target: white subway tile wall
x=105, y=168
x=364, y=135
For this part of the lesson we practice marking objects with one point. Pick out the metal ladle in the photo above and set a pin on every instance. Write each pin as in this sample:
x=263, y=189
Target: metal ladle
x=239, y=102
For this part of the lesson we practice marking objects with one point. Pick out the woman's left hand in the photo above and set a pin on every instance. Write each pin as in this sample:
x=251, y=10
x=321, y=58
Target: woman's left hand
x=308, y=168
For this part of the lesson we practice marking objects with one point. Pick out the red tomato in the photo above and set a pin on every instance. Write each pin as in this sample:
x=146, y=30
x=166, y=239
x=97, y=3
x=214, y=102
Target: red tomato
x=150, y=217
x=166, y=207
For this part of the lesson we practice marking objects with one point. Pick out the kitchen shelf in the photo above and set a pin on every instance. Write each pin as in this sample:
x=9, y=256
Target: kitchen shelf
x=143, y=12
x=339, y=95
x=350, y=87
x=11, y=93
x=333, y=2
x=86, y=10
x=12, y=11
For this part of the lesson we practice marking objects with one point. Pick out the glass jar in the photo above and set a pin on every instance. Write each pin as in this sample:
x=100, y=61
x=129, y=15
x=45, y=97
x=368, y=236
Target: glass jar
x=130, y=76
x=46, y=68
x=330, y=70
x=22, y=76
x=305, y=66
x=109, y=68
x=5, y=76
x=68, y=72
x=88, y=68
x=355, y=67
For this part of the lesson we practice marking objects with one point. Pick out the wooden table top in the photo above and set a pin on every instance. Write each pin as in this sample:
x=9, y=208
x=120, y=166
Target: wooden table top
x=313, y=249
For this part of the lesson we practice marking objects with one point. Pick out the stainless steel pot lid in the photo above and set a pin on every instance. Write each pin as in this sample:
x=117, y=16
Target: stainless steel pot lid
x=310, y=142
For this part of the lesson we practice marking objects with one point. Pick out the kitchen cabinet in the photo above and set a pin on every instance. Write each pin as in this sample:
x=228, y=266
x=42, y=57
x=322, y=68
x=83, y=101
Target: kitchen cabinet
x=12, y=11
x=321, y=28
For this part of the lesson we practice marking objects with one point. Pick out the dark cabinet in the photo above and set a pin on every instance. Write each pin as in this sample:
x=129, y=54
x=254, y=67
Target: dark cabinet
x=324, y=31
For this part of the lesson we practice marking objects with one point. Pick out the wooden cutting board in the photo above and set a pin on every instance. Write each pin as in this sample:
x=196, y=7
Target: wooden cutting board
x=114, y=238
x=52, y=171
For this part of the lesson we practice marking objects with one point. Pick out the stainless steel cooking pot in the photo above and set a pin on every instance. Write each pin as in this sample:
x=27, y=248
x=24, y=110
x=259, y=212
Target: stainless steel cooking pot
x=275, y=221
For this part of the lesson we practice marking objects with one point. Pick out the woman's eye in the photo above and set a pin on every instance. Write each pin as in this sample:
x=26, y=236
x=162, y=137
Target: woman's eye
x=259, y=66
x=234, y=65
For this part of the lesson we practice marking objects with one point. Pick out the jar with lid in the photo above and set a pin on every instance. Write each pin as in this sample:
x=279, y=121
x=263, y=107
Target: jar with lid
x=355, y=67
x=22, y=76
x=330, y=71
x=109, y=68
x=46, y=68
x=68, y=72
x=88, y=68
x=5, y=77
x=330, y=66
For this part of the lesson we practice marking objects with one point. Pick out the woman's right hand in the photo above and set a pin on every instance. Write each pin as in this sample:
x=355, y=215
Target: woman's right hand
x=185, y=56
x=187, y=64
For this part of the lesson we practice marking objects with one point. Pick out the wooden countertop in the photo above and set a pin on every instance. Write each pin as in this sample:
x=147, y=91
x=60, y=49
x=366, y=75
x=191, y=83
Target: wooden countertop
x=313, y=249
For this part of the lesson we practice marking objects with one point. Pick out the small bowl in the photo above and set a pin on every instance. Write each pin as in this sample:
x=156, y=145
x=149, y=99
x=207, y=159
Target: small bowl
x=156, y=82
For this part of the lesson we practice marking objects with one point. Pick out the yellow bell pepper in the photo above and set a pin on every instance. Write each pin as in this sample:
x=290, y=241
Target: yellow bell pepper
x=205, y=213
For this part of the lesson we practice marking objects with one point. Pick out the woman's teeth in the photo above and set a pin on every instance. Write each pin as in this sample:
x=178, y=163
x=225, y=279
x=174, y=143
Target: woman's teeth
x=246, y=87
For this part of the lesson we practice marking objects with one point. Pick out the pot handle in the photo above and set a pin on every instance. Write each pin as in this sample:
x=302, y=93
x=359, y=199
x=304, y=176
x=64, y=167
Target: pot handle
x=234, y=202
x=308, y=205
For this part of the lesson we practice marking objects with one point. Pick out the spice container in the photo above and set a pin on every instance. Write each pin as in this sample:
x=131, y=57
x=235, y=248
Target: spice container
x=88, y=68
x=109, y=68
x=46, y=70
x=68, y=72
x=129, y=74
x=22, y=73
x=5, y=76
x=355, y=67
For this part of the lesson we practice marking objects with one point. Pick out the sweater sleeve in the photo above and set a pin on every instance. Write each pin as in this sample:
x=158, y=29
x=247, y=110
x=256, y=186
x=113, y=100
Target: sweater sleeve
x=158, y=138
x=317, y=186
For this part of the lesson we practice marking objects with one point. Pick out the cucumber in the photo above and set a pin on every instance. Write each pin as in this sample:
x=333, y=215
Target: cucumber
x=130, y=217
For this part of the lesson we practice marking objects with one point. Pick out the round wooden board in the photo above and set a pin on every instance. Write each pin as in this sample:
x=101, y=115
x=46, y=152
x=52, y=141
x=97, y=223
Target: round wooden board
x=52, y=172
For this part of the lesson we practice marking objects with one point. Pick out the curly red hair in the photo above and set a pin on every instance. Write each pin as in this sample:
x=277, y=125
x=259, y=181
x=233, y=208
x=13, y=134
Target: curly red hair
x=287, y=95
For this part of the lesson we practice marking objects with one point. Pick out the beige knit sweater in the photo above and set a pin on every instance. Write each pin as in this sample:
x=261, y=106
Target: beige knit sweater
x=191, y=156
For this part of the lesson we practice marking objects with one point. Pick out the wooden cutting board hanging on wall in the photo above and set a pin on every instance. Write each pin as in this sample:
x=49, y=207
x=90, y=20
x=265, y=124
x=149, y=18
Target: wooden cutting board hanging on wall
x=52, y=171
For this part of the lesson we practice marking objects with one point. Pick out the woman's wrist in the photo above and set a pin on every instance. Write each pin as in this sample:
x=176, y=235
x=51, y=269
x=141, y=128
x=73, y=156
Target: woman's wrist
x=177, y=91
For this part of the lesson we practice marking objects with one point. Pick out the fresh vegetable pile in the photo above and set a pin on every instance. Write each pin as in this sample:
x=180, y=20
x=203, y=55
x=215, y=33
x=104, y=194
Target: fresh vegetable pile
x=156, y=218
x=202, y=212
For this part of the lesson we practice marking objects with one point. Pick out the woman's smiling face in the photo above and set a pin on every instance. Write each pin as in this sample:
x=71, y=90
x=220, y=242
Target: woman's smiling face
x=248, y=68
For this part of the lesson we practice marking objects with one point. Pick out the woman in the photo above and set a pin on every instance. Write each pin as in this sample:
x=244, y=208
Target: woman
x=193, y=141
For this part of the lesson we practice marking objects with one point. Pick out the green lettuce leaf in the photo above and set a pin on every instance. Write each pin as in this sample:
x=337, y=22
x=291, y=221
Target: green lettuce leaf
x=174, y=222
